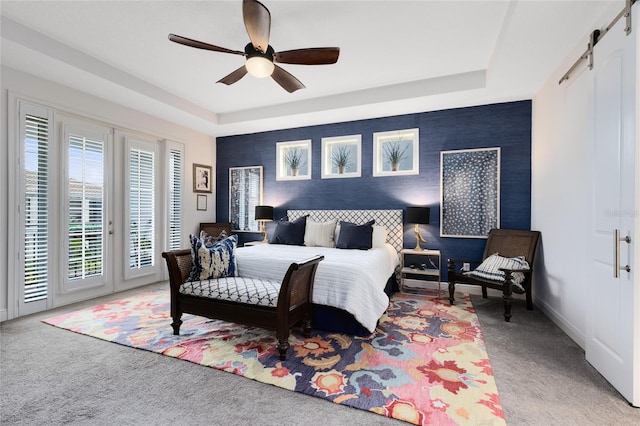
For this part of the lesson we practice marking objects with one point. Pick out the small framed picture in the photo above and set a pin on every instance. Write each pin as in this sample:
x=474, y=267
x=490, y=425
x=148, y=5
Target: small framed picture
x=341, y=156
x=202, y=178
x=202, y=202
x=395, y=153
x=293, y=160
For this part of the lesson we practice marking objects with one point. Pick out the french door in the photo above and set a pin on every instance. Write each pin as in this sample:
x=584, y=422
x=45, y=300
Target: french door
x=85, y=217
x=85, y=223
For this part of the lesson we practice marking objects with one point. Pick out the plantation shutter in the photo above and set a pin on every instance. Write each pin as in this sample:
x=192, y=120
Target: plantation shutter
x=175, y=199
x=36, y=130
x=141, y=208
x=85, y=189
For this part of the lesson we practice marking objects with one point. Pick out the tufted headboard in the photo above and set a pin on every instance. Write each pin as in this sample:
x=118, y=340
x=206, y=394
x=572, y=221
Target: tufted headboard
x=390, y=219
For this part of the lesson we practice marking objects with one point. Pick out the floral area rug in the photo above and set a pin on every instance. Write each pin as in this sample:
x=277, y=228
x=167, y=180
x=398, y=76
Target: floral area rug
x=426, y=363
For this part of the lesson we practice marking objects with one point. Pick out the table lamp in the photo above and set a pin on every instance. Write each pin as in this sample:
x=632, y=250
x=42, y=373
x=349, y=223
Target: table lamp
x=418, y=216
x=264, y=214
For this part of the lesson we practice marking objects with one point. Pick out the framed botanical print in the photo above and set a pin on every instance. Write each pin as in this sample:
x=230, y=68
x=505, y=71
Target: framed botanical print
x=202, y=178
x=245, y=193
x=470, y=192
x=293, y=160
x=396, y=153
x=341, y=156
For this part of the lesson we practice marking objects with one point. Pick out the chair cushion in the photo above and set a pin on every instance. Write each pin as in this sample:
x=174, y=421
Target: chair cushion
x=216, y=261
x=252, y=291
x=489, y=269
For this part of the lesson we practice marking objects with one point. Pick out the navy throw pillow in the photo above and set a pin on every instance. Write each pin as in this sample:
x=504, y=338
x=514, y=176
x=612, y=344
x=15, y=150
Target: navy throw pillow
x=354, y=236
x=291, y=233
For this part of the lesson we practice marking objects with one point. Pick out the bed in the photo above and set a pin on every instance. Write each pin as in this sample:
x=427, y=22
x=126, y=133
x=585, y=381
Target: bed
x=352, y=287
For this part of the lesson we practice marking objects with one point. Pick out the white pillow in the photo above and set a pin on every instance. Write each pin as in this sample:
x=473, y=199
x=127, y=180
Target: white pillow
x=320, y=234
x=490, y=269
x=379, y=238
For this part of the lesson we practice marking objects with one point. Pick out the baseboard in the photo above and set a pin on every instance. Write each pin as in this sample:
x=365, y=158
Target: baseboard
x=564, y=325
x=4, y=315
x=463, y=288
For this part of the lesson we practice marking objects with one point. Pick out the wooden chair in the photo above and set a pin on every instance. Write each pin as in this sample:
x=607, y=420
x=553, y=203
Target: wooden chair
x=214, y=228
x=507, y=243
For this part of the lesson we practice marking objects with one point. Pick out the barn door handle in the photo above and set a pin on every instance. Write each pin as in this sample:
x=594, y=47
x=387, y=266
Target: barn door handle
x=616, y=253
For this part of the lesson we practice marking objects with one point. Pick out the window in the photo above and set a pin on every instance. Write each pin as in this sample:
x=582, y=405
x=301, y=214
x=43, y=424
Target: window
x=85, y=189
x=35, y=131
x=141, y=218
x=83, y=199
x=175, y=198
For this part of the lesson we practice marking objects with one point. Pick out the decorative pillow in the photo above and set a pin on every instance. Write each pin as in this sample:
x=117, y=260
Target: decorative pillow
x=216, y=261
x=379, y=238
x=354, y=236
x=319, y=234
x=489, y=269
x=291, y=233
x=209, y=240
x=270, y=229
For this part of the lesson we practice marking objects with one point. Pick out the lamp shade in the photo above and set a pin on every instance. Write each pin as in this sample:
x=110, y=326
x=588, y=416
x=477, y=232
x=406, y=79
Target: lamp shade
x=264, y=213
x=418, y=215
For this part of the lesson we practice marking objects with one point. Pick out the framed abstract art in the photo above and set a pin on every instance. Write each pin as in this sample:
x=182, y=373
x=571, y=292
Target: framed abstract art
x=245, y=193
x=470, y=192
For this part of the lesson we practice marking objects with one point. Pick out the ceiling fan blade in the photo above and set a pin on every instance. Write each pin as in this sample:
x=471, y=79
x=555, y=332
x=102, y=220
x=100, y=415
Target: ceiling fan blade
x=311, y=56
x=286, y=80
x=201, y=45
x=234, y=76
x=257, y=21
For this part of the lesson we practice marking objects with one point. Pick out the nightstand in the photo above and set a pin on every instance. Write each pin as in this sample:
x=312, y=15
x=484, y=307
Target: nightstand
x=254, y=243
x=426, y=267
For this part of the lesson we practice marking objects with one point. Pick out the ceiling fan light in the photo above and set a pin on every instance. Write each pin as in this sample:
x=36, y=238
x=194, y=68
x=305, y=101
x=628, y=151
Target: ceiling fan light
x=259, y=67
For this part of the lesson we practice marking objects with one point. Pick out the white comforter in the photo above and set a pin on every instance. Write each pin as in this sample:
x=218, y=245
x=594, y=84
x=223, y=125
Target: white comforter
x=352, y=280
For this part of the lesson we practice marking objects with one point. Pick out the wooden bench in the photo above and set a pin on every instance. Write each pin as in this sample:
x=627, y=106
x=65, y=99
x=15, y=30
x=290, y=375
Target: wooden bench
x=210, y=298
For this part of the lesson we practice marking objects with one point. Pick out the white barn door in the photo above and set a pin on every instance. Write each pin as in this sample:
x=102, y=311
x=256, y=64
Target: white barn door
x=613, y=332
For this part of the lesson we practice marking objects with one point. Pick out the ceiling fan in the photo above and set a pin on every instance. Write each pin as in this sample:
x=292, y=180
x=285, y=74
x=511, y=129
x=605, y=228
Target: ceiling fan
x=260, y=55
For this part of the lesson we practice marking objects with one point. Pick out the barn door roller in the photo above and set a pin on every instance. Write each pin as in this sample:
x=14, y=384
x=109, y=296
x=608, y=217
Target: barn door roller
x=596, y=35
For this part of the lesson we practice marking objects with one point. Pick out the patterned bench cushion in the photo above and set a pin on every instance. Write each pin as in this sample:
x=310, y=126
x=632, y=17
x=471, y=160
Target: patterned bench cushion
x=252, y=291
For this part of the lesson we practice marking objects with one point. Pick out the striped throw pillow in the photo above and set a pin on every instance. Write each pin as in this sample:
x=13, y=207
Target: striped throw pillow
x=489, y=269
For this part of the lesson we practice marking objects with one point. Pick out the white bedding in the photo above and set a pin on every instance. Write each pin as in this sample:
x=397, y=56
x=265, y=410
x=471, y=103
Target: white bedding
x=352, y=280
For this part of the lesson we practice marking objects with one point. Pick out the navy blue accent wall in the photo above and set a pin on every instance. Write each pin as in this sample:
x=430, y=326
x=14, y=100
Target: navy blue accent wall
x=505, y=125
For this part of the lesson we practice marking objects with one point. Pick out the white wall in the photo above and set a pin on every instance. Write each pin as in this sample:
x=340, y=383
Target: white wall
x=199, y=148
x=560, y=205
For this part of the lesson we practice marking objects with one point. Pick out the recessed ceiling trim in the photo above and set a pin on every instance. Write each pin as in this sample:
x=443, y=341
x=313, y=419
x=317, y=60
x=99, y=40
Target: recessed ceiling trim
x=34, y=40
x=401, y=91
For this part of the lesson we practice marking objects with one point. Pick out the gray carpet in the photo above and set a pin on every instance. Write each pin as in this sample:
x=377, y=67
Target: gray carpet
x=52, y=376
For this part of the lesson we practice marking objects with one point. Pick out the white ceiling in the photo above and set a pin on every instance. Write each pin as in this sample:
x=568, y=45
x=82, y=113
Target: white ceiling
x=396, y=56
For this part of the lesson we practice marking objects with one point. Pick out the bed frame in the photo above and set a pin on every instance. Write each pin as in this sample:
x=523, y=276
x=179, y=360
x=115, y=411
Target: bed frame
x=325, y=317
x=390, y=219
x=330, y=318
